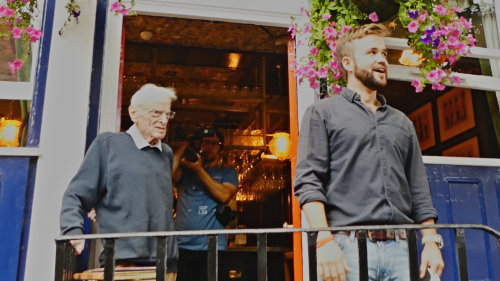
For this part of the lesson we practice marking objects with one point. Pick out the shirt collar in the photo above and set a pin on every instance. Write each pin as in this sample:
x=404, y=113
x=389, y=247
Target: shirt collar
x=139, y=140
x=352, y=96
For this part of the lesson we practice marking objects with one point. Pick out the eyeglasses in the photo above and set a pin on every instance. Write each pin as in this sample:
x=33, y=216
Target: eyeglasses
x=158, y=113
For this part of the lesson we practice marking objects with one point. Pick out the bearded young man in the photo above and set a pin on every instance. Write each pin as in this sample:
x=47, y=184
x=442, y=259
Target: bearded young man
x=359, y=163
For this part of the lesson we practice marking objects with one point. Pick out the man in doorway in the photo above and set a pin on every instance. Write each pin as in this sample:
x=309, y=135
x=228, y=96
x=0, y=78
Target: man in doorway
x=204, y=185
x=359, y=163
x=123, y=177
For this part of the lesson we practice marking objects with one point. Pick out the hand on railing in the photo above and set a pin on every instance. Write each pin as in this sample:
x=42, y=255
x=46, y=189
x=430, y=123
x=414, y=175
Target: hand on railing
x=331, y=262
x=78, y=245
x=432, y=259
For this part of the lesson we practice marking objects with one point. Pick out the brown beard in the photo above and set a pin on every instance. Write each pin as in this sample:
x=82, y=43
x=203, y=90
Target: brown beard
x=368, y=80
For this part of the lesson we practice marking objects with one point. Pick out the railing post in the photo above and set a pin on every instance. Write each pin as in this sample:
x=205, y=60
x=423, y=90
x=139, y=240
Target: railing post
x=363, y=256
x=212, y=258
x=161, y=268
x=60, y=251
x=411, y=236
x=311, y=247
x=262, y=256
x=109, y=259
x=463, y=274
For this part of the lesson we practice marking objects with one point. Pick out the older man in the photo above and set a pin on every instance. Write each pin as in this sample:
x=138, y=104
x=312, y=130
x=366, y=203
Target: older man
x=127, y=178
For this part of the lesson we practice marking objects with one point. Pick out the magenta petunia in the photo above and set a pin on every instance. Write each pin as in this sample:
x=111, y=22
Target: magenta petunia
x=17, y=32
x=373, y=17
x=15, y=65
x=116, y=7
x=326, y=17
x=413, y=26
x=417, y=85
x=314, y=51
x=456, y=80
x=441, y=10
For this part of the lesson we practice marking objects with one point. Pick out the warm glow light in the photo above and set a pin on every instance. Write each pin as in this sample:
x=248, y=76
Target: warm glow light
x=9, y=132
x=233, y=60
x=410, y=58
x=280, y=145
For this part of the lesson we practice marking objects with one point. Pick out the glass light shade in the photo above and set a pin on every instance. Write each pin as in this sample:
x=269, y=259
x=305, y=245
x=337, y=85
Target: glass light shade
x=280, y=145
x=9, y=132
x=410, y=58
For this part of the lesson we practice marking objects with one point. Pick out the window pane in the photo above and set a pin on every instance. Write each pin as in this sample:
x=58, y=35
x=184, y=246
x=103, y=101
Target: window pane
x=8, y=49
x=13, y=122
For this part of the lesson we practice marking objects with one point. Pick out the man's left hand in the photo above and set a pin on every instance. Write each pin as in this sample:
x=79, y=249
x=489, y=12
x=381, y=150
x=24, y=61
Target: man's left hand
x=432, y=259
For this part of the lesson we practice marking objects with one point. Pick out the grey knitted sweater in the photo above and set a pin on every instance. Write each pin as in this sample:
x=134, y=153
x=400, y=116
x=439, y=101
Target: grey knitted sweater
x=131, y=190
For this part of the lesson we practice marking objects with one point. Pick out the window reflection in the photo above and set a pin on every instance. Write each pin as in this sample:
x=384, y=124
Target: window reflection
x=13, y=122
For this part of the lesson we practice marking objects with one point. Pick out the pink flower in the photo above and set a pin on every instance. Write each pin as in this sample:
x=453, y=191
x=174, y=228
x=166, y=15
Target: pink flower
x=457, y=10
x=438, y=86
x=326, y=16
x=344, y=29
x=329, y=31
x=334, y=64
x=304, y=11
x=423, y=16
x=413, y=26
x=373, y=17
x=452, y=59
x=312, y=63
x=336, y=89
x=417, y=85
x=435, y=75
x=456, y=80
x=441, y=10
x=34, y=34
x=314, y=84
x=307, y=28
x=461, y=48
x=15, y=65
x=125, y=12
x=452, y=41
x=6, y=12
x=314, y=51
x=25, y=1
x=323, y=72
x=471, y=40
x=292, y=28
x=116, y=7
x=17, y=32
x=465, y=23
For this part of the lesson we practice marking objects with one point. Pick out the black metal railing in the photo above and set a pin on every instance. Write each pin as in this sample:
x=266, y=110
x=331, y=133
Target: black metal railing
x=65, y=259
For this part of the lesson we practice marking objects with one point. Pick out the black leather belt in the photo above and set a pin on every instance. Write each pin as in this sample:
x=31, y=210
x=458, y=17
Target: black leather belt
x=380, y=235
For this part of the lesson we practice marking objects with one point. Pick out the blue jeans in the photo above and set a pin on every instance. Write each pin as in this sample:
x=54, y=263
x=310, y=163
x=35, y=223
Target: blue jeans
x=387, y=260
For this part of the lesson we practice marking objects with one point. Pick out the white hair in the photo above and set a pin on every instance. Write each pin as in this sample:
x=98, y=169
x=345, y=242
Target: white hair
x=150, y=93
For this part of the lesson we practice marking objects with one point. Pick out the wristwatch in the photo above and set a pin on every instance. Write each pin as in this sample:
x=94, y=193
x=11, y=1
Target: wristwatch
x=438, y=239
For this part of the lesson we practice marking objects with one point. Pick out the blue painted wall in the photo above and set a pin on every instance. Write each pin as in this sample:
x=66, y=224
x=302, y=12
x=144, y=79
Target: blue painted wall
x=468, y=195
x=13, y=198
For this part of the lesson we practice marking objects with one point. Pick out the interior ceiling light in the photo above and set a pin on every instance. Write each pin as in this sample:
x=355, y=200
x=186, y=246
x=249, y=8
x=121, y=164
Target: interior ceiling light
x=146, y=35
x=9, y=132
x=410, y=58
x=233, y=60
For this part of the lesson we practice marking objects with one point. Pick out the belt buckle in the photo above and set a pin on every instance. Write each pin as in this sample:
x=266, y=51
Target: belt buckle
x=369, y=234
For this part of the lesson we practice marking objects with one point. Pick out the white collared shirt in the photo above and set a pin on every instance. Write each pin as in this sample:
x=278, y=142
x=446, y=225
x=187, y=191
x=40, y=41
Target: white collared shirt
x=139, y=140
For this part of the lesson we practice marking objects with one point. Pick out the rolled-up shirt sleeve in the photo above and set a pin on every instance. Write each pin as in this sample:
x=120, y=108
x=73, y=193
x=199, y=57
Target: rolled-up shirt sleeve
x=422, y=208
x=311, y=171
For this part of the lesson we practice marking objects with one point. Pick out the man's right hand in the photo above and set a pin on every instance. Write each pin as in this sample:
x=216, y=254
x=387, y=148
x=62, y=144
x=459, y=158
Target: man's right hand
x=331, y=262
x=78, y=245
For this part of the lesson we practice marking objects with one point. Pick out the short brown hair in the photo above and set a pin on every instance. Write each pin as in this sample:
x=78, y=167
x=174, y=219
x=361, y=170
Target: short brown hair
x=344, y=43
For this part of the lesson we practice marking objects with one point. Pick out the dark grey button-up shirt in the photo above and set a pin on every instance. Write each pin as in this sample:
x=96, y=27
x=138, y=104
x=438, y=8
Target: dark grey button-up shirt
x=365, y=167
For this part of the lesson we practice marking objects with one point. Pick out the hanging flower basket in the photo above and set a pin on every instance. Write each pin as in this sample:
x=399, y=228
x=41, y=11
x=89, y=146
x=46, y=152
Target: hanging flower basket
x=433, y=28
